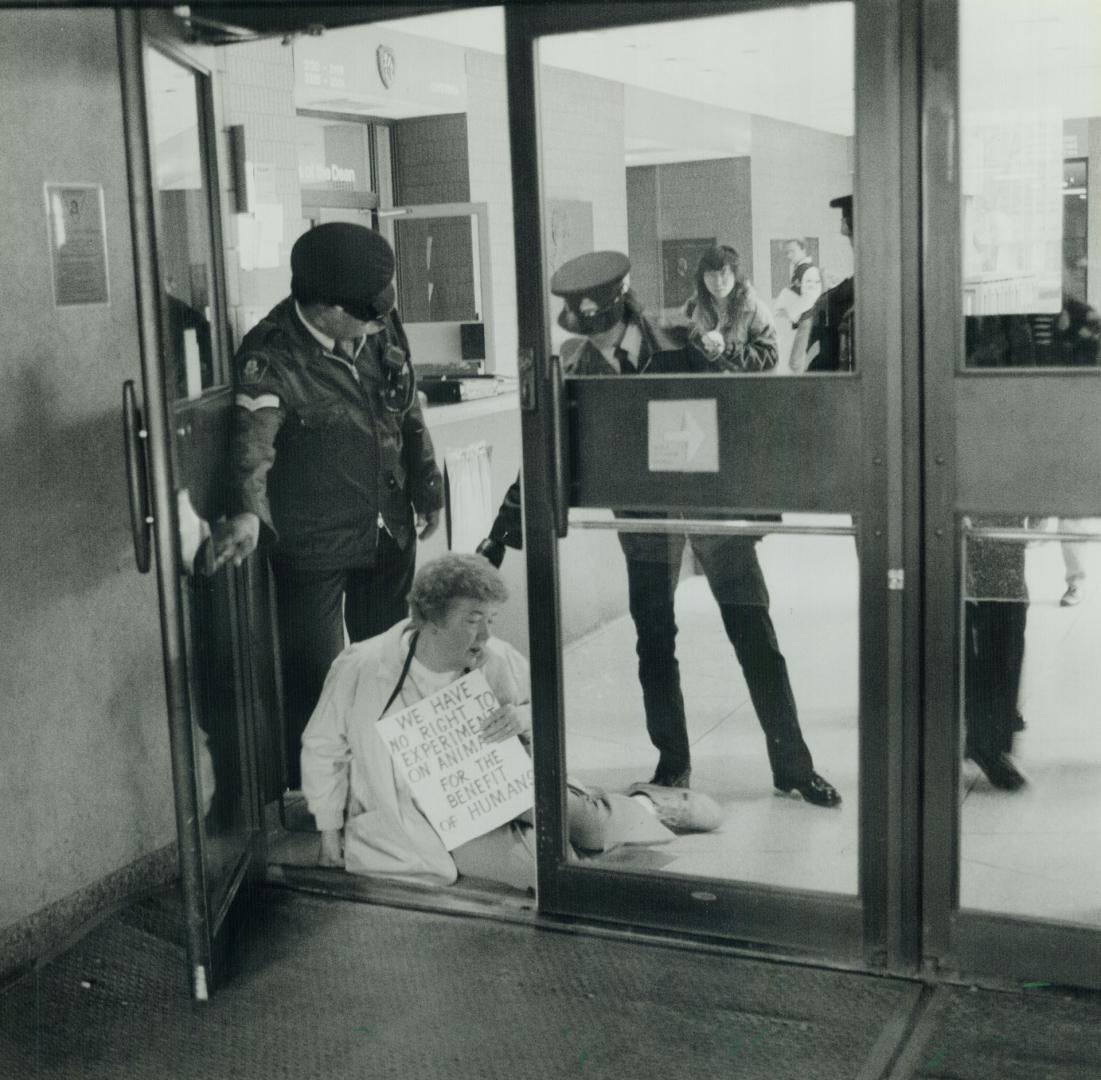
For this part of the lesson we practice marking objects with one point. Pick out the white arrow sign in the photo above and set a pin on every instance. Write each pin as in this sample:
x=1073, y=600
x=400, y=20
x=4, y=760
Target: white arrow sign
x=683, y=436
x=690, y=434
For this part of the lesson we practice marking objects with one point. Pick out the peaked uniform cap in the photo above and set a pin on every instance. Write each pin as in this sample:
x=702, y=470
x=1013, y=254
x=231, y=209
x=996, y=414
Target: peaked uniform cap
x=591, y=283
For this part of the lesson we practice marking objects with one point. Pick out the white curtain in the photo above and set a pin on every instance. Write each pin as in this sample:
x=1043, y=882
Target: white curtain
x=470, y=496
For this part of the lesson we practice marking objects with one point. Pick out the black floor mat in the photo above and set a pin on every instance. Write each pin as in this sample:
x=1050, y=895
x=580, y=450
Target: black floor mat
x=329, y=989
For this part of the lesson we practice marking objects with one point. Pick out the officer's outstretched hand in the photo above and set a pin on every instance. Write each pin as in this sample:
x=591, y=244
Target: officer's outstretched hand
x=234, y=539
x=427, y=524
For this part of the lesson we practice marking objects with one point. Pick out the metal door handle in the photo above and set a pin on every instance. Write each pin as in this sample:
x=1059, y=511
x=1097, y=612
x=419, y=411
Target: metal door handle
x=560, y=458
x=133, y=437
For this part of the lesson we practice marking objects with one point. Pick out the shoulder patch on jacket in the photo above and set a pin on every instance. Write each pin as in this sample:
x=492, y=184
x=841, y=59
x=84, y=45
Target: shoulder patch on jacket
x=253, y=370
x=259, y=401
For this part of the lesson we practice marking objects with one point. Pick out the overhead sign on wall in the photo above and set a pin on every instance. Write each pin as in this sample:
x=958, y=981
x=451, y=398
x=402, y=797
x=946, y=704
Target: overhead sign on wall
x=78, y=243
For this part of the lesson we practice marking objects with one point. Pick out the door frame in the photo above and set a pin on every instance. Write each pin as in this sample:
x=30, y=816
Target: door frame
x=881, y=925
x=960, y=480
x=209, y=921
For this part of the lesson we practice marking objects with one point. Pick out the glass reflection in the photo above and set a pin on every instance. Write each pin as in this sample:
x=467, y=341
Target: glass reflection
x=681, y=661
x=437, y=268
x=1029, y=786
x=209, y=603
x=1030, y=101
x=183, y=223
x=736, y=163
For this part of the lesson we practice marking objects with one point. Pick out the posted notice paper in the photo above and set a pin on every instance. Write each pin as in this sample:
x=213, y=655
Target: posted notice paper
x=463, y=786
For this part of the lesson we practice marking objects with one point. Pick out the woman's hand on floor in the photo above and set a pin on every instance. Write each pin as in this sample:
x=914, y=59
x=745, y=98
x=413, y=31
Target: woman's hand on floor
x=332, y=848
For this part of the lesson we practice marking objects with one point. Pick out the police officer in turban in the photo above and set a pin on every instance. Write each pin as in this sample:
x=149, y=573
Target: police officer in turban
x=331, y=465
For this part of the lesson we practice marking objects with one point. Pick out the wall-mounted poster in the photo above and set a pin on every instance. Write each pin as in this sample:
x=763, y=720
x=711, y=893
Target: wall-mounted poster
x=781, y=260
x=679, y=259
x=78, y=243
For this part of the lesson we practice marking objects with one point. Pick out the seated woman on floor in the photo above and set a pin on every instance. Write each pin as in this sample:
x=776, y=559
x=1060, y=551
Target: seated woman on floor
x=365, y=810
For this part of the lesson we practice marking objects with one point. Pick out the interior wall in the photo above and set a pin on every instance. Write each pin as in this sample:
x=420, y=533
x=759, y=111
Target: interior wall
x=581, y=128
x=1093, y=224
x=643, y=245
x=85, y=784
x=255, y=87
x=679, y=202
x=795, y=172
x=490, y=171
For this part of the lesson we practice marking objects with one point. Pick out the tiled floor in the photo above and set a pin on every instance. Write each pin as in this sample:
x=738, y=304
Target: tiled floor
x=813, y=584
x=1030, y=853
x=1033, y=852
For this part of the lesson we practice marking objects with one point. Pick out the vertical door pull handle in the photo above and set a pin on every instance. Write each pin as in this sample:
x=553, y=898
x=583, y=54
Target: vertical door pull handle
x=560, y=458
x=134, y=440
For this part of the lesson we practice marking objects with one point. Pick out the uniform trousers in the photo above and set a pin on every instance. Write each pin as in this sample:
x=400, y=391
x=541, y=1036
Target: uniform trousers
x=994, y=655
x=651, y=586
x=313, y=609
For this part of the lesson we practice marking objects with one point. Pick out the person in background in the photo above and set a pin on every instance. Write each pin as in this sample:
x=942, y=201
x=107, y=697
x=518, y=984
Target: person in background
x=364, y=808
x=796, y=304
x=798, y=256
x=831, y=340
x=995, y=616
x=331, y=465
x=614, y=336
x=728, y=324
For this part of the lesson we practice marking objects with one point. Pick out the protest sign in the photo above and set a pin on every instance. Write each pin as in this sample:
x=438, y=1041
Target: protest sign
x=463, y=786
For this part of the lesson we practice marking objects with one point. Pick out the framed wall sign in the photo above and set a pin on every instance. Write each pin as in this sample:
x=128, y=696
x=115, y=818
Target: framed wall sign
x=679, y=259
x=78, y=243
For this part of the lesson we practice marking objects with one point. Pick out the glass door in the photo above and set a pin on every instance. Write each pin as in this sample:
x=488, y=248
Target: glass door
x=1013, y=749
x=218, y=677
x=716, y=541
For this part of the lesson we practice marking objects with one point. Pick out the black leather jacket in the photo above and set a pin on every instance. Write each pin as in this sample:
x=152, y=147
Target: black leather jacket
x=314, y=452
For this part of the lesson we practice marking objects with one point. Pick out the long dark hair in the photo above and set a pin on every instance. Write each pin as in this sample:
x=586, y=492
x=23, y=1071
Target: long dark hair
x=712, y=259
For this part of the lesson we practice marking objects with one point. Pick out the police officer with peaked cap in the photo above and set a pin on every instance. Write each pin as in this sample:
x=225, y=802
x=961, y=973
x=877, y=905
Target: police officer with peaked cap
x=331, y=466
x=618, y=338
x=598, y=304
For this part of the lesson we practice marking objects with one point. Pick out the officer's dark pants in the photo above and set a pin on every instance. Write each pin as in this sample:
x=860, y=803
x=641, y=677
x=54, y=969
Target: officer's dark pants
x=651, y=587
x=313, y=608
x=994, y=655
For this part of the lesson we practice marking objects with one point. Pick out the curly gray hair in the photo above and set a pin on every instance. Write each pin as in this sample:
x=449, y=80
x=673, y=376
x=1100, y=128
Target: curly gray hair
x=452, y=577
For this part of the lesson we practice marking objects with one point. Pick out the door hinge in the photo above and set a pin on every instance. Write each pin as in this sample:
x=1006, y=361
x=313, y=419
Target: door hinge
x=896, y=579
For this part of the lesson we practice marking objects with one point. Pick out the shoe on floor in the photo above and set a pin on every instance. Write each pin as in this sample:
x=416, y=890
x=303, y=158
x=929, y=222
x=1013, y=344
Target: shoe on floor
x=813, y=789
x=676, y=779
x=1072, y=596
x=680, y=809
x=1001, y=771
